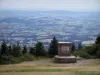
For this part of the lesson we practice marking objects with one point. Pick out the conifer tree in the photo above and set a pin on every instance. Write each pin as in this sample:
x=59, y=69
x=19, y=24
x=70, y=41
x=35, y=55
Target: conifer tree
x=79, y=46
x=39, y=49
x=73, y=47
x=10, y=49
x=97, y=40
x=16, y=50
x=4, y=49
x=24, y=50
x=32, y=51
x=53, y=48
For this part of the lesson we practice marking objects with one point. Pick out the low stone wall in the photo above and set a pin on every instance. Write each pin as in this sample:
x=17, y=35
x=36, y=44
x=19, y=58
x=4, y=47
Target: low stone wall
x=65, y=59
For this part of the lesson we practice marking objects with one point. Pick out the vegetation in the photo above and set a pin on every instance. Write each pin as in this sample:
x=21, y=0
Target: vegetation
x=88, y=67
x=16, y=50
x=4, y=49
x=24, y=50
x=32, y=51
x=90, y=51
x=81, y=53
x=79, y=46
x=73, y=47
x=39, y=49
x=97, y=40
x=53, y=48
x=15, y=53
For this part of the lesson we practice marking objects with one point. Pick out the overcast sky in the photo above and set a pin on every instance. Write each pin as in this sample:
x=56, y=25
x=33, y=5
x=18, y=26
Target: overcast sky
x=72, y=5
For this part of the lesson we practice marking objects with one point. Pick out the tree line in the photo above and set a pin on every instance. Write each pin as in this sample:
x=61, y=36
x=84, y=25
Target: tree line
x=17, y=51
x=14, y=53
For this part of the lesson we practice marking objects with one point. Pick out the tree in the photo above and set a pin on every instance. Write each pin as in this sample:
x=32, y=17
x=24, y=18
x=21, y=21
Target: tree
x=79, y=46
x=39, y=49
x=97, y=45
x=4, y=55
x=98, y=53
x=32, y=51
x=0, y=52
x=97, y=40
x=53, y=48
x=73, y=47
x=10, y=49
x=4, y=49
x=97, y=49
x=16, y=50
x=24, y=50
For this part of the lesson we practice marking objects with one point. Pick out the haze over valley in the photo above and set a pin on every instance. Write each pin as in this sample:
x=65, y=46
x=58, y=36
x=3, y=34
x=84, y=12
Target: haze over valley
x=28, y=27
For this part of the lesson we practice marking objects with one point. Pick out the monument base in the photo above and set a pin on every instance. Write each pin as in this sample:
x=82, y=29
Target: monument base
x=65, y=59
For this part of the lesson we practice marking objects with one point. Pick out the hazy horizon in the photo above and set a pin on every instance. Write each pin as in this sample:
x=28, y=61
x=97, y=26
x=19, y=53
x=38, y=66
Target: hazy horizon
x=67, y=5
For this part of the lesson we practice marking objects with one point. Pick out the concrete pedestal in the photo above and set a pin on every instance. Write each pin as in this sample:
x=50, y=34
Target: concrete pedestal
x=65, y=59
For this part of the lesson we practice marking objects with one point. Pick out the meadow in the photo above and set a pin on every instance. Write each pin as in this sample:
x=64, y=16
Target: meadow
x=46, y=66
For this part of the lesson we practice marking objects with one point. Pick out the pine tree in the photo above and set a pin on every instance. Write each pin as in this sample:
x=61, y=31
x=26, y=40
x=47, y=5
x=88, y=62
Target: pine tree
x=39, y=49
x=73, y=47
x=4, y=49
x=24, y=50
x=32, y=51
x=53, y=48
x=10, y=49
x=0, y=54
x=79, y=46
x=16, y=50
x=97, y=40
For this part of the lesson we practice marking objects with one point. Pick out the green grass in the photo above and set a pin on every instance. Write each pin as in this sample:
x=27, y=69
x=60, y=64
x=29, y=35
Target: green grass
x=87, y=73
x=43, y=70
x=88, y=67
x=54, y=70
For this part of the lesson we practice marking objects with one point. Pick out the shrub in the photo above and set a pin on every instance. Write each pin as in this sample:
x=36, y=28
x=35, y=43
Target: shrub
x=91, y=49
x=82, y=53
x=32, y=51
x=4, y=60
x=14, y=60
x=29, y=57
x=9, y=60
x=98, y=54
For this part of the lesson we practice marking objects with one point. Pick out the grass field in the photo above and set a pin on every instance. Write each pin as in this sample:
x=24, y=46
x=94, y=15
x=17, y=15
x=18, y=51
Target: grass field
x=45, y=66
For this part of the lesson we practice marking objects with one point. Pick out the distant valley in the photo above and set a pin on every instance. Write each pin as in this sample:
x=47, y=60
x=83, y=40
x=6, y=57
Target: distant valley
x=28, y=27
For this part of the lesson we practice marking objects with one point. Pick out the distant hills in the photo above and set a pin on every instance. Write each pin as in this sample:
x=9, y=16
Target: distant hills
x=30, y=26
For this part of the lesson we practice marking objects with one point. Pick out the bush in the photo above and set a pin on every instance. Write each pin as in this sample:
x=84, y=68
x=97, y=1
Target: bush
x=27, y=57
x=4, y=60
x=94, y=50
x=98, y=54
x=89, y=52
x=9, y=60
x=82, y=53
x=91, y=49
x=13, y=60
